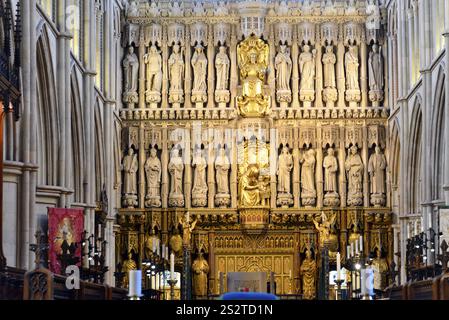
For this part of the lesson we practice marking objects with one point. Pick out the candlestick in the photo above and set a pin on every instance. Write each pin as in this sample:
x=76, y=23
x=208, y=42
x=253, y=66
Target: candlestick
x=172, y=266
x=338, y=266
x=172, y=284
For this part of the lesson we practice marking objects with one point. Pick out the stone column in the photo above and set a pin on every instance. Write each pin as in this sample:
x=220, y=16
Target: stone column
x=188, y=168
x=296, y=175
x=142, y=51
x=141, y=173
x=341, y=167
x=165, y=84
x=188, y=72
x=211, y=171
x=340, y=72
x=364, y=71
x=295, y=72
x=234, y=171
x=234, y=69
x=319, y=168
x=211, y=68
x=446, y=178
x=366, y=191
x=165, y=160
x=318, y=70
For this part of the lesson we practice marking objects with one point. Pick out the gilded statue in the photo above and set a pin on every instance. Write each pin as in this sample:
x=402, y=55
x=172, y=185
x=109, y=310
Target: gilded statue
x=200, y=269
x=380, y=267
x=251, y=188
x=324, y=228
x=187, y=228
x=128, y=265
x=308, y=272
x=253, y=55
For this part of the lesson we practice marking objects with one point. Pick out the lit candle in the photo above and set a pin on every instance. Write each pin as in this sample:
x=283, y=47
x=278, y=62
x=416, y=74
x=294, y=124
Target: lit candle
x=135, y=283
x=348, y=251
x=338, y=266
x=361, y=243
x=163, y=251
x=352, y=249
x=172, y=266
x=356, y=245
x=166, y=252
x=154, y=244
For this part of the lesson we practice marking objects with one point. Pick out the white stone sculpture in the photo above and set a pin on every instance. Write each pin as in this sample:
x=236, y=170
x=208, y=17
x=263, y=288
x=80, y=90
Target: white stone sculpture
x=222, y=64
x=284, y=169
x=283, y=66
x=222, y=167
x=176, y=170
x=352, y=75
x=153, y=173
x=130, y=166
x=307, y=70
x=330, y=165
x=176, y=75
x=131, y=73
x=153, y=61
x=199, y=191
x=330, y=94
x=354, y=168
x=199, y=65
x=376, y=168
x=133, y=9
x=308, y=193
x=376, y=75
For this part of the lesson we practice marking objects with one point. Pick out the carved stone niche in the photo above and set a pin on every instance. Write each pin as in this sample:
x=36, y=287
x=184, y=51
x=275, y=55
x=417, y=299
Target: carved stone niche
x=376, y=136
x=330, y=139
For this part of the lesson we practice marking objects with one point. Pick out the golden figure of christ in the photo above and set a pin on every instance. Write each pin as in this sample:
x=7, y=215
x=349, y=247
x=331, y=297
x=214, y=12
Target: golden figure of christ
x=253, y=54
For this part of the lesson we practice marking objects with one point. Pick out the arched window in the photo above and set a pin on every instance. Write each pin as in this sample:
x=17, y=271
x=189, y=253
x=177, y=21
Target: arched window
x=438, y=18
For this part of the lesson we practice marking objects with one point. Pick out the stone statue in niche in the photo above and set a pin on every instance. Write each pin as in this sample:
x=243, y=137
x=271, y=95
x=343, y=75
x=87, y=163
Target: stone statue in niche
x=176, y=170
x=307, y=69
x=352, y=75
x=176, y=75
x=222, y=167
x=153, y=61
x=131, y=73
x=330, y=165
x=133, y=9
x=283, y=66
x=199, y=65
x=376, y=74
x=153, y=173
x=354, y=168
x=285, y=167
x=330, y=93
x=130, y=166
x=222, y=64
x=199, y=192
x=308, y=193
x=376, y=168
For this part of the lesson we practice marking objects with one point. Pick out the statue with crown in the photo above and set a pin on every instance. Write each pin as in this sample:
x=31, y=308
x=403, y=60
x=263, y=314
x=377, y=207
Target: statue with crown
x=253, y=55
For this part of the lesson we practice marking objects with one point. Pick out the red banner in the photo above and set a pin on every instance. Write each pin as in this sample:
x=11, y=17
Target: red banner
x=65, y=232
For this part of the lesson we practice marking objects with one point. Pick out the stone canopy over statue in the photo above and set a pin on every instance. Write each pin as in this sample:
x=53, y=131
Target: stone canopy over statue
x=253, y=55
